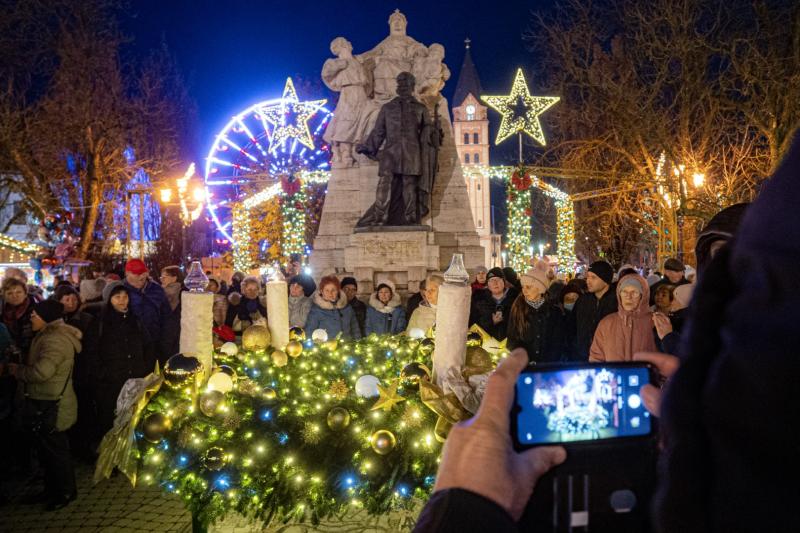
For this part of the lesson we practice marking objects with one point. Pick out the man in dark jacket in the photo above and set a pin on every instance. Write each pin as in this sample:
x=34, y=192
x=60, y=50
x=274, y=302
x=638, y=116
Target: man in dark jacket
x=491, y=307
x=350, y=288
x=599, y=301
x=150, y=305
x=674, y=274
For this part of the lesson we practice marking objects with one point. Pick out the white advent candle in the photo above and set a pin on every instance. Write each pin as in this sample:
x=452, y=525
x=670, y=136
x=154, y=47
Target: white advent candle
x=197, y=319
x=452, y=321
x=278, y=313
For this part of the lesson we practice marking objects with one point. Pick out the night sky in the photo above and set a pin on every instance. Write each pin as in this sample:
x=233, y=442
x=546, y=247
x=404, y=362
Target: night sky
x=238, y=52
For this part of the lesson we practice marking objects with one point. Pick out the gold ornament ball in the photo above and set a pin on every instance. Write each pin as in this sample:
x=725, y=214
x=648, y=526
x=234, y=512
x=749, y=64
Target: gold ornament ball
x=269, y=395
x=294, y=348
x=155, y=426
x=279, y=358
x=255, y=338
x=412, y=373
x=338, y=418
x=383, y=441
x=214, y=458
x=181, y=370
x=297, y=334
x=331, y=345
x=210, y=401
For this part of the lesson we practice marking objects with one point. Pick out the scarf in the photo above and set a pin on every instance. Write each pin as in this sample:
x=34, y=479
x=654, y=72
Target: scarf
x=536, y=304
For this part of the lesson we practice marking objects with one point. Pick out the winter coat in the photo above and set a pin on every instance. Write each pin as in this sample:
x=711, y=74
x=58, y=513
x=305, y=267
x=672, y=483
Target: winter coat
x=173, y=293
x=729, y=462
x=414, y=301
x=389, y=318
x=19, y=325
x=242, y=312
x=79, y=319
x=423, y=317
x=119, y=348
x=299, y=307
x=151, y=307
x=463, y=511
x=589, y=311
x=49, y=367
x=484, y=306
x=544, y=336
x=622, y=334
x=334, y=319
x=360, y=309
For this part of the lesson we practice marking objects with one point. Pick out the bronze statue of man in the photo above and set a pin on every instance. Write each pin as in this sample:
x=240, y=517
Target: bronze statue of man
x=409, y=142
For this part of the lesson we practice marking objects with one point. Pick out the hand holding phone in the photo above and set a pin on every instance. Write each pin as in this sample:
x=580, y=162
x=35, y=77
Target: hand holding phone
x=580, y=403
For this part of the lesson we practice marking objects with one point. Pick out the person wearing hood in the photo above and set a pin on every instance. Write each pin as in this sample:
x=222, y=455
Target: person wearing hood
x=246, y=308
x=491, y=307
x=299, y=303
x=630, y=329
x=535, y=323
x=118, y=348
x=50, y=406
x=424, y=316
x=385, y=314
x=331, y=312
x=599, y=301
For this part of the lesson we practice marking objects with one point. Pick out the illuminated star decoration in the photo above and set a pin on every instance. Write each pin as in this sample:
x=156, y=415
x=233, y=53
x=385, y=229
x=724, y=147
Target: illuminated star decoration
x=388, y=397
x=520, y=111
x=290, y=118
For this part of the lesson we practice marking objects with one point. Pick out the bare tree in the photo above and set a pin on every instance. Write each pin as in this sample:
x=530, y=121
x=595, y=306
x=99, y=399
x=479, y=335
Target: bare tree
x=79, y=134
x=684, y=82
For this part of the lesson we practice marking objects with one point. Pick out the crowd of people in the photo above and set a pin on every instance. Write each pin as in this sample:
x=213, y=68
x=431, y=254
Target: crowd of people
x=65, y=356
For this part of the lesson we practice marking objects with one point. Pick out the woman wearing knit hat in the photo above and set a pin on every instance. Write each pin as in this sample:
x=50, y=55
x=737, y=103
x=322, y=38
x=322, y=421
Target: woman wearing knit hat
x=630, y=329
x=536, y=324
x=50, y=406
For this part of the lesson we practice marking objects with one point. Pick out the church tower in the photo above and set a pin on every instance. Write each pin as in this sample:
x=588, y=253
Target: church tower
x=471, y=132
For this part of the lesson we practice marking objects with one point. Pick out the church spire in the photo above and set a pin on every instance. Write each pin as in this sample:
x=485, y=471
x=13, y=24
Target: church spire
x=468, y=81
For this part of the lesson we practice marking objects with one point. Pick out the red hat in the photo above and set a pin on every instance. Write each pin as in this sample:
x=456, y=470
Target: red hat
x=225, y=333
x=135, y=266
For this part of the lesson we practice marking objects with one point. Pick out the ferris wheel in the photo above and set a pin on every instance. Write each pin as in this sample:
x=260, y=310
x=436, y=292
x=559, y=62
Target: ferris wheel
x=258, y=145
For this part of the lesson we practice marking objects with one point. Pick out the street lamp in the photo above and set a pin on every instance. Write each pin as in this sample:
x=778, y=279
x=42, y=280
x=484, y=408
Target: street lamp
x=191, y=198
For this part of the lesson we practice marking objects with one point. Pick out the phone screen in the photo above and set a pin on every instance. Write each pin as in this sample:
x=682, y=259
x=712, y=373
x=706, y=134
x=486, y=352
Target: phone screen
x=580, y=403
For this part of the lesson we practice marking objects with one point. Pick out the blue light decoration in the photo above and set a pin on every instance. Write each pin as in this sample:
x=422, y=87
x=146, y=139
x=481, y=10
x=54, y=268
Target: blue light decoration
x=268, y=139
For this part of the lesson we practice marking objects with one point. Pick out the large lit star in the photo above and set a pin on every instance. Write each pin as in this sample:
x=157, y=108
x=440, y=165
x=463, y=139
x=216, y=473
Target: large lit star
x=290, y=118
x=520, y=111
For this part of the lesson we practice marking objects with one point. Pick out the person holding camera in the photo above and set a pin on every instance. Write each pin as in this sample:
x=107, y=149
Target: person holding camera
x=50, y=407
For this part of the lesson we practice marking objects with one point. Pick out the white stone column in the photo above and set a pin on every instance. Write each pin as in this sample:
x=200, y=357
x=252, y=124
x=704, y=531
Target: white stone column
x=197, y=319
x=278, y=313
x=452, y=320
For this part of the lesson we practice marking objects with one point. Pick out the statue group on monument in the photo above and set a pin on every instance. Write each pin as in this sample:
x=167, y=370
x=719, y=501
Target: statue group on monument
x=379, y=116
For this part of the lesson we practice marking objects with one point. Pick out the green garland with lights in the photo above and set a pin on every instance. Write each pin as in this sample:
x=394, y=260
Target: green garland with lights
x=268, y=450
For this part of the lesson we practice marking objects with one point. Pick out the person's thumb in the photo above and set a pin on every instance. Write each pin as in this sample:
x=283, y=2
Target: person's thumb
x=651, y=396
x=540, y=460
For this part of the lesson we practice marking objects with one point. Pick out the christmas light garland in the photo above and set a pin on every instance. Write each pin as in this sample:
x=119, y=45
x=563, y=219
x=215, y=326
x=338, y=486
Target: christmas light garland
x=336, y=425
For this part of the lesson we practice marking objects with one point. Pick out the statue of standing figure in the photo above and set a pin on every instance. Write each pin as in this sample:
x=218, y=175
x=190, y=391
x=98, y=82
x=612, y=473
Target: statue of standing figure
x=405, y=143
x=346, y=75
x=370, y=109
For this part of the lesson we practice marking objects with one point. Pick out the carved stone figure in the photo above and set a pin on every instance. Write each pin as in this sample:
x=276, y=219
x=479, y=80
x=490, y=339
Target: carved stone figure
x=404, y=141
x=346, y=75
x=431, y=72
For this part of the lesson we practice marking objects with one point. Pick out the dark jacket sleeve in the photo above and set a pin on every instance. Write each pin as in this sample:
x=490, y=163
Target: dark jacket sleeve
x=462, y=511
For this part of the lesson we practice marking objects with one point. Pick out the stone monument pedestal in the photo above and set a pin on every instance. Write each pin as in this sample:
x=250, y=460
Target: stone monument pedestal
x=401, y=254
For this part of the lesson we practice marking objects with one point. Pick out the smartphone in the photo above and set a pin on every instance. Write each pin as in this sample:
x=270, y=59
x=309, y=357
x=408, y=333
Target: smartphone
x=580, y=403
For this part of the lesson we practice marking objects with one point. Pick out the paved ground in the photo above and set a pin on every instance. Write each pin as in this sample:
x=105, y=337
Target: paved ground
x=114, y=506
x=110, y=506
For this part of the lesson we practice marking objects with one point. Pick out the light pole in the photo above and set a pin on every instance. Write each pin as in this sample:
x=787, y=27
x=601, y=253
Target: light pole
x=190, y=202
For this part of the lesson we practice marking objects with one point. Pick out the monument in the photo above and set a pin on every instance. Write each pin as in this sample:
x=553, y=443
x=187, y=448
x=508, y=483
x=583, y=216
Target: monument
x=397, y=204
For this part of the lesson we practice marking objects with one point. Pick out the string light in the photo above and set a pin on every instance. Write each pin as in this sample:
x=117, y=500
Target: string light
x=520, y=111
